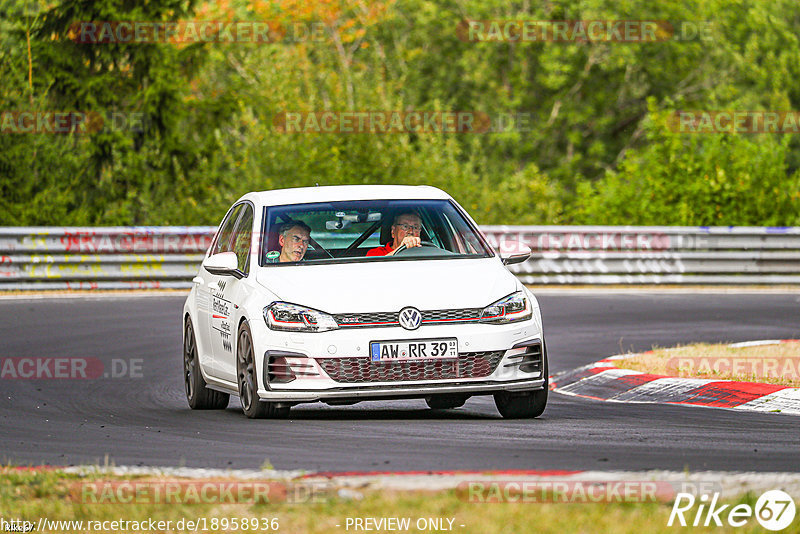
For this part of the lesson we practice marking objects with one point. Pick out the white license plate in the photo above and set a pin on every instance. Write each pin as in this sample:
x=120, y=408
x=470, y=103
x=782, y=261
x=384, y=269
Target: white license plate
x=413, y=349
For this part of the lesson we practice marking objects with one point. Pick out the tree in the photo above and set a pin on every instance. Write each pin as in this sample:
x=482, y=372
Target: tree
x=697, y=179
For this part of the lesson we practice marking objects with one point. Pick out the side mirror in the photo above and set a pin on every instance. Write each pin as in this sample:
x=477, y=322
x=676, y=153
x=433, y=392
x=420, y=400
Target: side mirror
x=223, y=264
x=514, y=252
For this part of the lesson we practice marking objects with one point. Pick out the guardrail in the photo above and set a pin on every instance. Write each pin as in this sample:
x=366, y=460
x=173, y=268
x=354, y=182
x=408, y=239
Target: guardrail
x=152, y=257
x=129, y=257
x=654, y=254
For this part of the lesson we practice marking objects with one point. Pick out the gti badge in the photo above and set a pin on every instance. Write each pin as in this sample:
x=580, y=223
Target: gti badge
x=410, y=318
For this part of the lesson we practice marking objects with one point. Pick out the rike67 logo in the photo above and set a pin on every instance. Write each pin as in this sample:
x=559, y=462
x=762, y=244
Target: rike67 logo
x=774, y=510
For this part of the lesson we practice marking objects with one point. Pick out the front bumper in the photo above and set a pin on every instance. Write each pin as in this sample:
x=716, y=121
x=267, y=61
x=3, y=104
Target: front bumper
x=305, y=352
x=404, y=391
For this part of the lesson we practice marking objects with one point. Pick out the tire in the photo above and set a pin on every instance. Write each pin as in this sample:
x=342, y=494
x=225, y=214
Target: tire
x=445, y=402
x=198, y=395
x=247, y=379
x=525, y=405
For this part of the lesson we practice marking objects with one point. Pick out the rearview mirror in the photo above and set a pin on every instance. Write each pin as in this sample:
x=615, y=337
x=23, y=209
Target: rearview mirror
x=344, y=219
x=223, y=264
x=336, y=225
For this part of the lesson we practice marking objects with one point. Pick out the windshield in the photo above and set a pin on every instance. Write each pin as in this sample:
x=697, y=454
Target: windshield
x=368, y=230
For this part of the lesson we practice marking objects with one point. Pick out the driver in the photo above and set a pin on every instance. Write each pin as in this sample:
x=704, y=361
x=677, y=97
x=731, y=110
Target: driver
x=406, y=229
x=293, y=238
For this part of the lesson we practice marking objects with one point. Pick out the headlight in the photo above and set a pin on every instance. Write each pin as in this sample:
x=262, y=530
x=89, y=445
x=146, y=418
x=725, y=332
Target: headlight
x=294, y=318
x=515, y=307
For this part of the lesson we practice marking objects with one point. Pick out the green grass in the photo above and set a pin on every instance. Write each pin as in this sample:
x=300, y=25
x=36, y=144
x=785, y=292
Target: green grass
x=31, y=495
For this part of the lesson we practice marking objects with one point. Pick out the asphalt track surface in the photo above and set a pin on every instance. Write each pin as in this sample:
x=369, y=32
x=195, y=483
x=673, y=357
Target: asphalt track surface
x=145, y=421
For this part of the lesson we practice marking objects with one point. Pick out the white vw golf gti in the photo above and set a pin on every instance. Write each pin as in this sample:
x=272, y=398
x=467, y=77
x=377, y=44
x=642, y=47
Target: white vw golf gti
x=349, y=293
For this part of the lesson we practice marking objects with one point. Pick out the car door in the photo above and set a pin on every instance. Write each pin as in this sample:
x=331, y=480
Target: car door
x=227, y=294
x=208, y=300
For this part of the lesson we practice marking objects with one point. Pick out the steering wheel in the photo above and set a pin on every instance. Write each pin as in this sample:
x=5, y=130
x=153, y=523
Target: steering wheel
x=403, y=248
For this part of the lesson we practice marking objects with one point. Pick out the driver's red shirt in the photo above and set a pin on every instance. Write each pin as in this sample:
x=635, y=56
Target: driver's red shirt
x=381, y=251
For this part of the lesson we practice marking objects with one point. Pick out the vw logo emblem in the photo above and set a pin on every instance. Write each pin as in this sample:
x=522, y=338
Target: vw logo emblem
x=410, y=318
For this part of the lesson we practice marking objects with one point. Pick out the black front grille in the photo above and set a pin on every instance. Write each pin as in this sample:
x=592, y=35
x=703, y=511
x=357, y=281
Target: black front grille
x=363, y=370
x=361, y=320
x=366, y=319
x=452, y=315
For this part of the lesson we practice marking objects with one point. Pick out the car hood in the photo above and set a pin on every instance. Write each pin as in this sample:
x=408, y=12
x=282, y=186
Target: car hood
x=391, y=285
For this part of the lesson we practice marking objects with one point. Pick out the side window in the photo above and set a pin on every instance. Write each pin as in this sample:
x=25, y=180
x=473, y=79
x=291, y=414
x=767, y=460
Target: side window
x=223, y=240
x=243, y=238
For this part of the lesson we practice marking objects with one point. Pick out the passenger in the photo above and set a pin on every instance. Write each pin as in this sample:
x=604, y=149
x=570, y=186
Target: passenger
x=406, y=229
x=293, y=239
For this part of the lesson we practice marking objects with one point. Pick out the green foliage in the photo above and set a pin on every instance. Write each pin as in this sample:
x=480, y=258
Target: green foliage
x=596, y=148
x=701, y=179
